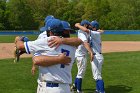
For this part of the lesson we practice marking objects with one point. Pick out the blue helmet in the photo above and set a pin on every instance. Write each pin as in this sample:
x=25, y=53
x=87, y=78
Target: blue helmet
x=46, y=22
x=55, y=26
x=48, y=17
x=45, y=28
x=66, y=25
x=84, y=22
x=95, y=24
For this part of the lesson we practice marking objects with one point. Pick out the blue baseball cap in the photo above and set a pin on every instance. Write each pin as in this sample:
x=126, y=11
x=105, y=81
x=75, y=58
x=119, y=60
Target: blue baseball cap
x=84, y=22
x=55, y=26
x=95, y=24
x=42, y=29
x=48, y=17
x=66, y=25
x=45, y=28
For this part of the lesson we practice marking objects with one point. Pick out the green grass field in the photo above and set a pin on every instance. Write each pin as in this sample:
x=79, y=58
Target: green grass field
x=121, y=73
x=10, y=39
x=120, y=37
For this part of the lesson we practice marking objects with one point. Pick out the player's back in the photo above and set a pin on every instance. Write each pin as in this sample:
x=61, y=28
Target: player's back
x=59, y=73
x=96, y=41
x=81, y=50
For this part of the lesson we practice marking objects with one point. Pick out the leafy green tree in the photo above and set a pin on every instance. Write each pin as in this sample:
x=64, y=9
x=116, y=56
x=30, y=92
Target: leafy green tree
x=20, y=16
x=30, y=14
x=2, y=14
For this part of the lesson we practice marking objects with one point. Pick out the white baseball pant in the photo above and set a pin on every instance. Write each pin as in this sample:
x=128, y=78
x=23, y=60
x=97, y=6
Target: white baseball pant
x=96, y=65
x=81, y=65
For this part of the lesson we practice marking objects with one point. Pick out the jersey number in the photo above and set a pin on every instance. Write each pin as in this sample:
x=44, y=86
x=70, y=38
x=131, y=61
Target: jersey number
x=67, y=54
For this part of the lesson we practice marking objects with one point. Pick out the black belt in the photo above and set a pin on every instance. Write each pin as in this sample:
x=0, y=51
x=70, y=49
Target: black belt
x=96, y=53
x=52, y=84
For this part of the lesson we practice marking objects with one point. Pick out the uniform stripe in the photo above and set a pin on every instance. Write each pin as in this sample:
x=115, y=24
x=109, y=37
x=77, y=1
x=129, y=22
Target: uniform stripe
x=27, y=48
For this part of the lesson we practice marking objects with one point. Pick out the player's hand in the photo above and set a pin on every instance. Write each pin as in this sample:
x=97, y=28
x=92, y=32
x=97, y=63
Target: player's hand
x=17, y=38
x=77, y=24
x=55, y=41
x=33, y=70
x=64, y=59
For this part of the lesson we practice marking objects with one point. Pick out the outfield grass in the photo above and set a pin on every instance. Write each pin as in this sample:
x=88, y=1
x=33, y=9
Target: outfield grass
x=109, y=37
x=121, y=74
x=10, y=39
x=106, y=37
x=16, y=78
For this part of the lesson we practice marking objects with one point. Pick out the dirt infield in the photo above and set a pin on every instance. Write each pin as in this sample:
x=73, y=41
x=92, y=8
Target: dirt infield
x=6, y=49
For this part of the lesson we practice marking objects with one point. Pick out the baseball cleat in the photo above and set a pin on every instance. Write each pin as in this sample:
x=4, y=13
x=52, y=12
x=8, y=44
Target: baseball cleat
x=73, y=87
x=16, y=55
x=96, y=91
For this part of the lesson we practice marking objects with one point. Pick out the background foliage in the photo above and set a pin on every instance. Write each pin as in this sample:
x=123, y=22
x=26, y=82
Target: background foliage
x=30, y=14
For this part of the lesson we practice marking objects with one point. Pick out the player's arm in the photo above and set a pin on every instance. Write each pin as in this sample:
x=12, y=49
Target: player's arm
x=56, y=41
x=101, y=31
x=46, y=60
x=82, y=27
x=43, y=60
x=87, y=46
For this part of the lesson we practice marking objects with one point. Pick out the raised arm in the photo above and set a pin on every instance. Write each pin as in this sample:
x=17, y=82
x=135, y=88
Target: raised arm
x=87, y=46
x=101, y=31
x=82, y=27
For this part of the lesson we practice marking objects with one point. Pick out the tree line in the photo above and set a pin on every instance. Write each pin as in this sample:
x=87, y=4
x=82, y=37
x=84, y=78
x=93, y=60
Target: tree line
x=30, y=14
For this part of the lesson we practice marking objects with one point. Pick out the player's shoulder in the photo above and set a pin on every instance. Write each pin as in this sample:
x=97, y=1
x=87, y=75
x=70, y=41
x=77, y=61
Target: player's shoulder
x=41, y=40
x=42, y=35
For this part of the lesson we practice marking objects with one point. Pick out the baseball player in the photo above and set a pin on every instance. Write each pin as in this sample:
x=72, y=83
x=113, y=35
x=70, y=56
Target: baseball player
x=80, y=55
x=57, y=77
x=48, y=60
x=96, y=64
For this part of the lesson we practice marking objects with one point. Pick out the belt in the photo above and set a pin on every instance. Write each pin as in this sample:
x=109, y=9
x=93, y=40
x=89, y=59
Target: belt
x=52, y=84
x=96, y=53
